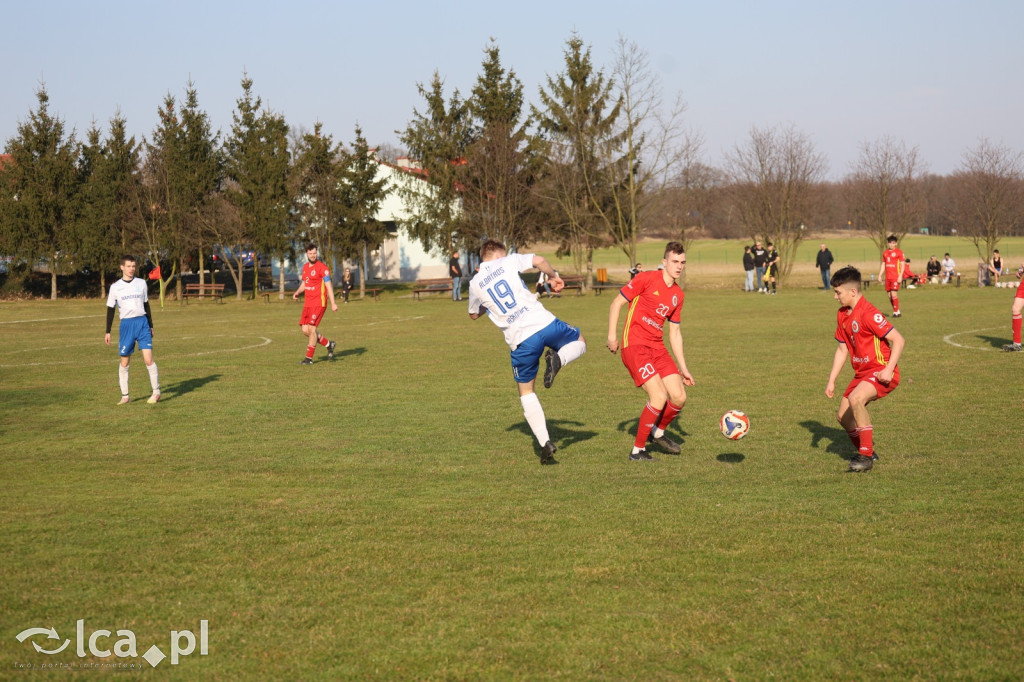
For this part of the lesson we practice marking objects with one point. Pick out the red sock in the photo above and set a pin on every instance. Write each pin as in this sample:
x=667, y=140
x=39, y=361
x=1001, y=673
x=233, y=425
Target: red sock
x=854, y=438
x=866, y=437
x=322, y=340
x=895, y=304
x=309, y=351
x=648, y=418
x=1016, y=328
x=667, y=415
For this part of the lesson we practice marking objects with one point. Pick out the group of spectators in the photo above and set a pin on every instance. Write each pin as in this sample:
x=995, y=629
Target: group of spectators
x=761, y=265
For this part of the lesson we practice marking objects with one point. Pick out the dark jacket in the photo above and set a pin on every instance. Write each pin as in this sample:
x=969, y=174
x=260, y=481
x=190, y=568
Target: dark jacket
x=825, y=260
x=748, y=261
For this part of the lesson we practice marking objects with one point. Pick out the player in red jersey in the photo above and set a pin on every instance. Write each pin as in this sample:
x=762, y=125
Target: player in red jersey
x=874, y=347
x=1015, y=315
x=316, y=285
x=892, y=273
x=653, y=298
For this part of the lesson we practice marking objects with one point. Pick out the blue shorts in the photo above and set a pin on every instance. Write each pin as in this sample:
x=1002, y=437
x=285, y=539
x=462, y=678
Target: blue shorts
x=134, y=330
x=526, y=357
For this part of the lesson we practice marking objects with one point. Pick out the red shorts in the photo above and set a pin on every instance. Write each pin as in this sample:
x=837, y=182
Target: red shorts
x=643, y=362
x=881, y=389
x=312, y=315
x=892, y=284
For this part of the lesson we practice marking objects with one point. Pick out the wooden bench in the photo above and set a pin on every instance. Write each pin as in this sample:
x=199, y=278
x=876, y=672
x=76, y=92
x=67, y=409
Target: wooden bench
x=432, y=286
x=573, y=282
x=202, y=291
x=370, y=291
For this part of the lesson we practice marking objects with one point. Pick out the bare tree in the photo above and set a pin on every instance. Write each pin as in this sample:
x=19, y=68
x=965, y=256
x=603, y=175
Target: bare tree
x=773, y=177
x=884, y=191
x=650, y=148
x=988, y=194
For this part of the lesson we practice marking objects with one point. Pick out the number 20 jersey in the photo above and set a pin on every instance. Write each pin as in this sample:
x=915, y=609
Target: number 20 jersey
x=651, y=303
x=510, y=305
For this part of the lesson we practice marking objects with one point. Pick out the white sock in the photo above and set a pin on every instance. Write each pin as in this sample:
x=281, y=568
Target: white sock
x=534, y=414
x=154, y=378
x=571, y=351
x=122, y=378
x=657, y=433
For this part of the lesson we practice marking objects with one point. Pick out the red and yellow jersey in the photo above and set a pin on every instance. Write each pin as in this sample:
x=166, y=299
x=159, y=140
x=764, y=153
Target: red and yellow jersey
x=894, y=262
x=651, y=302
x=314, y=278
x=863, y=329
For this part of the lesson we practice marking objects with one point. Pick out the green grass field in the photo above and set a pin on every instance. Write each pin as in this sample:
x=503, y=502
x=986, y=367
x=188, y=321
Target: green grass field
x=384, y=516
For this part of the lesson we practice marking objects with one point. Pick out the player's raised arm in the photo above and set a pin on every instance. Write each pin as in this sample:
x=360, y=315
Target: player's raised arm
x=542, y=264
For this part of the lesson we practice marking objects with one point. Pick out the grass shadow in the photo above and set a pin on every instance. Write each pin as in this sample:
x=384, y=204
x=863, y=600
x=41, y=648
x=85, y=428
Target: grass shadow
x=349, y=351
x=180, y=388
x=731, y=457
x=837, y=437
x=559, y=429
x=995, y=342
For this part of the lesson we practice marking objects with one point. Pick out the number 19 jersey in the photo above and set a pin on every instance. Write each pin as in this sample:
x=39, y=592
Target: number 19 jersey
x=510, y=305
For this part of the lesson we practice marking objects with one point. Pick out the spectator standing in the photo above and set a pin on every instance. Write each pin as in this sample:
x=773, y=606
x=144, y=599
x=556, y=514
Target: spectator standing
x=772, y=273
x=347, y=283
x=824, y=263
x=748, y=269
x=635, y=270
x=455, y=272
x=760, y=261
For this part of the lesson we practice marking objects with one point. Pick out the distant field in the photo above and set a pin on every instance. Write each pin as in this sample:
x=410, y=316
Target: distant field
x=384, y=516
x=718, y=263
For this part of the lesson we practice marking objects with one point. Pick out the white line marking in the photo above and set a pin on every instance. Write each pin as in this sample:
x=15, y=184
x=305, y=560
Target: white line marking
x=265, y=342
x=948, y=338
x=49, y=319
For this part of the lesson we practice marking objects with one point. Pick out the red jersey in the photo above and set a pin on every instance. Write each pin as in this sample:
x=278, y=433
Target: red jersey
x=314, y=279
x=894, y=261
x=651, y=302
x=863, y=329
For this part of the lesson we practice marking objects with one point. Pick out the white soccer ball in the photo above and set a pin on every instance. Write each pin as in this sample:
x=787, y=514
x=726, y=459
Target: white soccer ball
x=734, y=424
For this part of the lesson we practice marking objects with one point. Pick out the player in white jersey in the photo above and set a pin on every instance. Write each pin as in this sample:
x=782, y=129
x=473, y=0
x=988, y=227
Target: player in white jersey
x=498, y=291
x=131, y=297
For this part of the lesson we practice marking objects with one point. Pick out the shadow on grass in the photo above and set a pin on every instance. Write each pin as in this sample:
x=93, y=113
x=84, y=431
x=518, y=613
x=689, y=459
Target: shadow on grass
x=995, y=342
x=839, y=440
x=630, y=426
x=731, y=457
x=187, y=386
x=558, y=429
x=349, y=351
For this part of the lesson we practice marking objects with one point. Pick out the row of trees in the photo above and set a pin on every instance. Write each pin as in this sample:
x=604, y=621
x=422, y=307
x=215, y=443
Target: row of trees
x=600, y=159
x=181, y=194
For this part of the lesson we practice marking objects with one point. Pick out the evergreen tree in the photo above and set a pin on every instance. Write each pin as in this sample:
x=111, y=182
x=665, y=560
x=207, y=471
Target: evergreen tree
x=38, y=209
x=578, y=119
x=317, y=190
x=501, y=159
x=257, y=167
x=437, y=140
x=362, y=194
x=108, y=175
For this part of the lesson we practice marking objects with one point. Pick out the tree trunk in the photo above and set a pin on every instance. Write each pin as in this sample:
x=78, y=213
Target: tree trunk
x=280, y=278
x=103, y=283
x=202, y=268
x=53, y=282
x=362, y=275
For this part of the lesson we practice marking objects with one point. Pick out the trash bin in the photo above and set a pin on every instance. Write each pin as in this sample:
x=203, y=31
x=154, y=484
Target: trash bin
x=983, y=275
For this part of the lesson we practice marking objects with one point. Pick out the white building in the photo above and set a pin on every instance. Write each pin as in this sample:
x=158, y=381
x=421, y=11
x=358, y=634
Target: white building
x=399, y=257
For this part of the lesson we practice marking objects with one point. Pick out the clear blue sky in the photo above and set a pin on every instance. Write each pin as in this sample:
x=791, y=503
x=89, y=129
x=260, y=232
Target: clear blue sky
x=938, y=75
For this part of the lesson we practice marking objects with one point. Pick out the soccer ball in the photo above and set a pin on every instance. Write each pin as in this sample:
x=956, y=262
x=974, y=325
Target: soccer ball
x=734, y=424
